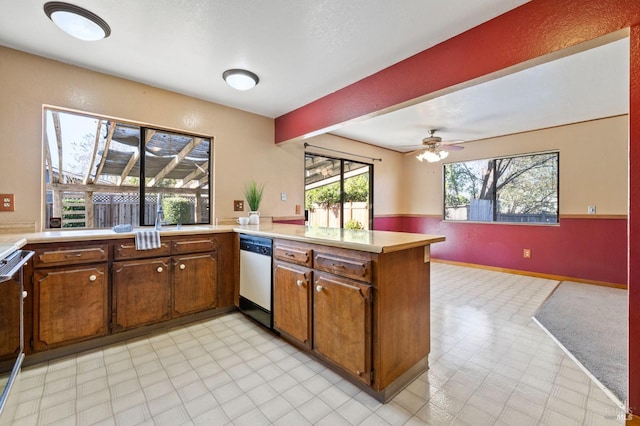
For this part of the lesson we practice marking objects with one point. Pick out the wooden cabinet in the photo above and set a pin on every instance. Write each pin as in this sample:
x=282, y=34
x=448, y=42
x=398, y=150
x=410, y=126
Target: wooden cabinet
x=10, y=296
x=365, y=314
x=342, y=323
x=70, y=304
x=324, y=308
x=149, y=289
x=194, y=283
x=141, y=292
x=70, y=255
x=292, y=301
x=84, y=290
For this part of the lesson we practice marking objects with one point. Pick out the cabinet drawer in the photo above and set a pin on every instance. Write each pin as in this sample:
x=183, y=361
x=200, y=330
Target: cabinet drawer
x=292, y=254
x=358, y=269
x=70, y=255
x=193, y=245
x=128, y=250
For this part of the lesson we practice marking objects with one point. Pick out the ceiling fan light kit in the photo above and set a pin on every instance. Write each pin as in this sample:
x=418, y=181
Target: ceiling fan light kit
x=432, y=156
x=433, y=149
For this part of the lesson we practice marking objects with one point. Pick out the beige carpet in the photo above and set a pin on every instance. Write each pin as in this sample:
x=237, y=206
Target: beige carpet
x=591, y=322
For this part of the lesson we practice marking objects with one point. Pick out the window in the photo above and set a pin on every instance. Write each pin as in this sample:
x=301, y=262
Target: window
x=96, y=176
x=522, y=189
x=338, y=193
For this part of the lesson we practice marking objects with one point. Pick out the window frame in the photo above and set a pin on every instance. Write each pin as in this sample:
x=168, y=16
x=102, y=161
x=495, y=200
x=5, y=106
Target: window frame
x=494, y=200
x=142, y=189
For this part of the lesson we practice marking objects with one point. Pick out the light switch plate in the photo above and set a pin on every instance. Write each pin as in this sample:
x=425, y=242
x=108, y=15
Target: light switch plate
x=7, y=203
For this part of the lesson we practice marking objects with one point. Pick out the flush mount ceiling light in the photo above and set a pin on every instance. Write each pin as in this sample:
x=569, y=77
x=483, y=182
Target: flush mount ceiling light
x=240, y=79
x=76, y=21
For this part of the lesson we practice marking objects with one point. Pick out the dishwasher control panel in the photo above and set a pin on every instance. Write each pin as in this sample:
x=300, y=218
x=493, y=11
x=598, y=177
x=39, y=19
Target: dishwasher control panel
x=257, y=245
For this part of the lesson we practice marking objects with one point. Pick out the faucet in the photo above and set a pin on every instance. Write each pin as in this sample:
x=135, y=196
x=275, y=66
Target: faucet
x=159, y=215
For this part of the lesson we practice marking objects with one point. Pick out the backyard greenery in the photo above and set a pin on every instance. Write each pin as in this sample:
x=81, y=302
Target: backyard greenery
x=355, y=189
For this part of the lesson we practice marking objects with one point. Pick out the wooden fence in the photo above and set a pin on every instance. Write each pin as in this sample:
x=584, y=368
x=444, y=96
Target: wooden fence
x=110, y=210
x=330, y=216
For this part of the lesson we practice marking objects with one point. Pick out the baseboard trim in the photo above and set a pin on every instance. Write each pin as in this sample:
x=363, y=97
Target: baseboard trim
x=531, y=274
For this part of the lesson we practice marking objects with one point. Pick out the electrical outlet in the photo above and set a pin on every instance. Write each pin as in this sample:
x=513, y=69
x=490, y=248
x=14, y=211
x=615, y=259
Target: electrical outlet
x=591, y=209
x=7, y=203
x=526, y=253
x=283, y=196
x=238, y=205
x=298, y=209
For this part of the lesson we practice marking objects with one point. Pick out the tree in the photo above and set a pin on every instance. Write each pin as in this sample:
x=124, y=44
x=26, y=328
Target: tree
x=518, y=185
x=356, y=189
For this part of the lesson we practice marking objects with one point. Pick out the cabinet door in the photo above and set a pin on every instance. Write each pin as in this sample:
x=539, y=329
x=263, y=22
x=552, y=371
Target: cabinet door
x=292, y=301
x=10, y=301
x=342, y=323
x=141, y=293
x=195, y=283
x=70, y=304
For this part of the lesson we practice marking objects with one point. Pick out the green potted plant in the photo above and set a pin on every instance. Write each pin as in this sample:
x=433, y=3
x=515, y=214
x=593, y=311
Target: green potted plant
x=253, y=195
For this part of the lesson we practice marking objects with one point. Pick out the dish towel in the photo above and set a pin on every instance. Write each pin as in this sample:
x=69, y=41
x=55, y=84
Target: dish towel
x=147, y=240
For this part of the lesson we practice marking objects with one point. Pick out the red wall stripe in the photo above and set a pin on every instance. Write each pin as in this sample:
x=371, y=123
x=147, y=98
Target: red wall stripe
x=589, y=249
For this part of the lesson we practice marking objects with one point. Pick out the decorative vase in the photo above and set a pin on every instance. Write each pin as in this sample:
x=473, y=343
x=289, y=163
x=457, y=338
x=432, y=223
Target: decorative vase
x=254, y=218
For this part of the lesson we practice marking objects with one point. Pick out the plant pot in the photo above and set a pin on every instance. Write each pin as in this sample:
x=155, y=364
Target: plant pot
x=254, y=218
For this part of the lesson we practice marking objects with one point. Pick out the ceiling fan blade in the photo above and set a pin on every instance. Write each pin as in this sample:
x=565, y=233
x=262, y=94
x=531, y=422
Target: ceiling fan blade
x=451, y=147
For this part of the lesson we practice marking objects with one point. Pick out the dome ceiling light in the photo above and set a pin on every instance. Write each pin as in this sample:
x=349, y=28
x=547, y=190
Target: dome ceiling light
x=76, y=21
x=240, y=79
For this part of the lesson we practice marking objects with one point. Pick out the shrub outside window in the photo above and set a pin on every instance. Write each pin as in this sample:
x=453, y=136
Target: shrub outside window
x=518, y=189
x=96, y=176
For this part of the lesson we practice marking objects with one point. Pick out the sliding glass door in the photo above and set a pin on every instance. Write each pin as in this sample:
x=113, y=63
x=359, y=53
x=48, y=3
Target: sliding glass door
x=338, y=193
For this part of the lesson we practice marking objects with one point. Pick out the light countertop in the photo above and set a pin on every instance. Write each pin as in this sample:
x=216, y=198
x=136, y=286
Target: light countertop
x=370, y=241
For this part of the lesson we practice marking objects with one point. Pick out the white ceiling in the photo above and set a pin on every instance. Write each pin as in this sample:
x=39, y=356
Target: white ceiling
x=584, y=86
x=305, y=49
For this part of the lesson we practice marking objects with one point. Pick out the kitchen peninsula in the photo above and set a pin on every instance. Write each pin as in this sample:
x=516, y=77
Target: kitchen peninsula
x=356, y=300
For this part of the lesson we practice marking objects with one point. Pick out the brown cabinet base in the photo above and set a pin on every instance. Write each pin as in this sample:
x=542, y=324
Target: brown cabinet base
x=369, y=312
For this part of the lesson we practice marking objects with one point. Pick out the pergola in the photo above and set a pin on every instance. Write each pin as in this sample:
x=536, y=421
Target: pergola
x=173, y=163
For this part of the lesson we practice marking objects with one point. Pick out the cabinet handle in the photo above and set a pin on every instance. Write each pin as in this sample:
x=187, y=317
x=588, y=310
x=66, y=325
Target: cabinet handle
x=24, y=294
x=182, y=266
x=92, y=278
x=290, y=254
x=337, y=265
x=159, y=269
x=319, y=288
x=73, y=255
x=299, y=283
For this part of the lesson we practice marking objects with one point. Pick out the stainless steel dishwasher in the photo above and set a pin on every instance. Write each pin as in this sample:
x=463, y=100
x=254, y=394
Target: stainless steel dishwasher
x=256, y=287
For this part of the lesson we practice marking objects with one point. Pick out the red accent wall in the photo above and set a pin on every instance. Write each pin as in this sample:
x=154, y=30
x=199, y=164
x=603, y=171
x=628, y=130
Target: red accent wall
x=634, y=222
x=532, y=30
x=590, y=249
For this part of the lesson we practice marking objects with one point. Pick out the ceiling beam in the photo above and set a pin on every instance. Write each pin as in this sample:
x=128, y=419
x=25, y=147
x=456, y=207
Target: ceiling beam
x=466, y=59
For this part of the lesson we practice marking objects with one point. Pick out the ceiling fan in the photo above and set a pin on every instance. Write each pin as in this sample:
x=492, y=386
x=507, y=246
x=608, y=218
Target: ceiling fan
x=434, y=149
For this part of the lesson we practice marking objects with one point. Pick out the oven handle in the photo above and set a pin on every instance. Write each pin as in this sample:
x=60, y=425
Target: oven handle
x=14, y=263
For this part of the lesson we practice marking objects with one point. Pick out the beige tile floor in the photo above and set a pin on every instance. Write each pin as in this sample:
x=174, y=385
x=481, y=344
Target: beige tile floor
x=489, y=364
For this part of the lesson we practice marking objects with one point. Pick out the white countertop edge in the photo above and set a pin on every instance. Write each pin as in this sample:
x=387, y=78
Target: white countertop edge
x=368, y=241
